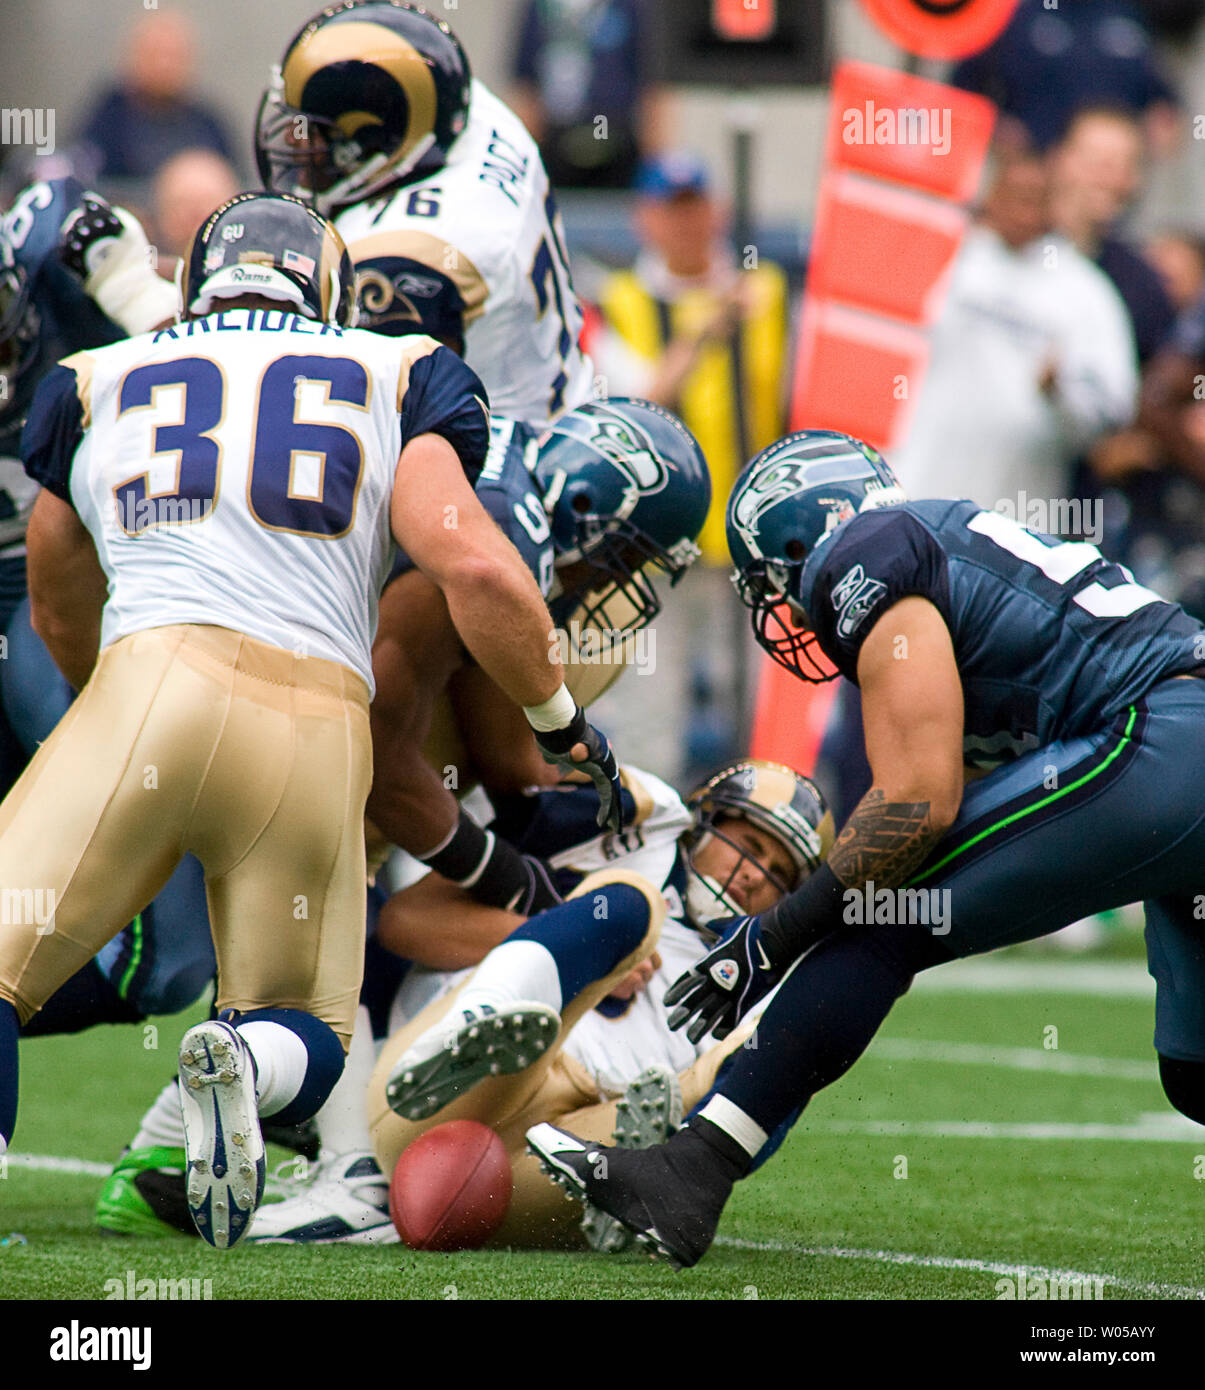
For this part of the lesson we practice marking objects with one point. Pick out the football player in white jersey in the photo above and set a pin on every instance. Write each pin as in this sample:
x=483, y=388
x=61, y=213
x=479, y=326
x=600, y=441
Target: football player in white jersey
x=220, y=502
x=565, y=1014
x=439, y=192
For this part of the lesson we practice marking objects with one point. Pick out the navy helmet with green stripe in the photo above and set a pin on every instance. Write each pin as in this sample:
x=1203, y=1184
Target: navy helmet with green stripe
x=786, y=502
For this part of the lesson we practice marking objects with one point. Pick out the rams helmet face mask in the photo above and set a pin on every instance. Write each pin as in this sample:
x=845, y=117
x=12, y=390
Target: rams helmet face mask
x=272, y=245
x=370, y=93
x=20, y=326
x=777, y=800
x=786, y=502
x=627, y=491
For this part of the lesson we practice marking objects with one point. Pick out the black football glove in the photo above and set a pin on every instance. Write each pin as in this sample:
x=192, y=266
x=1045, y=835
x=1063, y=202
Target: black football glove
x=600, y=764
x=720, y=988
x=80, y=236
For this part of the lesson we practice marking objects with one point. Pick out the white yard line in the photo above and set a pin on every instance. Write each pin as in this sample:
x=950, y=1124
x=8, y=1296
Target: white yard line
x=999, y=1267
x=48, y=1163
x=1157, y=1128
x=1017, y=1058
x=1117, y=979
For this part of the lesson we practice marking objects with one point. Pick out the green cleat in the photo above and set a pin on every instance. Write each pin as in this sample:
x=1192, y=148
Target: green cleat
x=144, y=1195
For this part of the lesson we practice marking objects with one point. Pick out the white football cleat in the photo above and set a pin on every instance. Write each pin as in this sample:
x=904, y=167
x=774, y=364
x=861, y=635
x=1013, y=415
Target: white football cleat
x=468, y=1046
x=649, y=1111
x=347, y=1201
x=223, y=1146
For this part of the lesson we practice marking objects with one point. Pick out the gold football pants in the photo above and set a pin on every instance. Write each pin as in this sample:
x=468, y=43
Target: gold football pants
x=197, y=739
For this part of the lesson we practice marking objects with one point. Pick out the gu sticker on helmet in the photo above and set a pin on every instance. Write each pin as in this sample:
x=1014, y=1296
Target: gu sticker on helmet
x=941, y=28
x=725, y=973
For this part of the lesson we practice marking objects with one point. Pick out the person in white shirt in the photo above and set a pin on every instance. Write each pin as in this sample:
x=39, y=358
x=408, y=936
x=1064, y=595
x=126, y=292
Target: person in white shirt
x=1031, y=360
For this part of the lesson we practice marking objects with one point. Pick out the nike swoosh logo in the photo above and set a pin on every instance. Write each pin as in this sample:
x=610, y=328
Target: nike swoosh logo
x=765, y=959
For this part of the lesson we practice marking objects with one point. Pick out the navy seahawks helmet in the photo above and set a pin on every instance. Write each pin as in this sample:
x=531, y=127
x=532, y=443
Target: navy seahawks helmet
x=786, y=502
x=786, y=805
x=20, y=326
x=370, y=93
x=273, y=245
x=627, y=491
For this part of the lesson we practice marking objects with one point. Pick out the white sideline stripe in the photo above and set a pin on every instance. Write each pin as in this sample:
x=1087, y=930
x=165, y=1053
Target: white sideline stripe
x=899, y=1257
x=48, y=1163
x=1158, y=1128
x=1115, y=979
x=1018, y=1058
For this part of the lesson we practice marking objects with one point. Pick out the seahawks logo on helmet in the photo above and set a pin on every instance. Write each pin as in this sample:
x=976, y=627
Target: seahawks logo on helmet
x=631, y=451
x=778, y=482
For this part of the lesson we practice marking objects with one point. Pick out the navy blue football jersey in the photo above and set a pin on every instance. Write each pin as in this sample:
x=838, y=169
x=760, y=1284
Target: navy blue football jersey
x=507, y=488
x=68, y=322
x=1051, y=639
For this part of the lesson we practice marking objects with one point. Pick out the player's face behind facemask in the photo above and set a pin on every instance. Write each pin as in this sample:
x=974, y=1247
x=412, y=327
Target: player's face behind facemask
x=761, y=829
x=745, y=869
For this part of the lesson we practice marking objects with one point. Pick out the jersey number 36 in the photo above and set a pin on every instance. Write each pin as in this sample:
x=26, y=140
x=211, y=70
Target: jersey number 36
x=303, y=477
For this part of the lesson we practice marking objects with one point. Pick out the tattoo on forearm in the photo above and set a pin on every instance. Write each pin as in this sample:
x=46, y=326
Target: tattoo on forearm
x=883, y=840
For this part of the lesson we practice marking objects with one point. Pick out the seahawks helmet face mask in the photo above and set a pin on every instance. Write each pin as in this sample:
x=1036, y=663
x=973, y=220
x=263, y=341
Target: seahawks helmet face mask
x=271, y=245
x=782, y=803
x=627, y=490
x=369, y=94
x=20, y=326
x=788, y=501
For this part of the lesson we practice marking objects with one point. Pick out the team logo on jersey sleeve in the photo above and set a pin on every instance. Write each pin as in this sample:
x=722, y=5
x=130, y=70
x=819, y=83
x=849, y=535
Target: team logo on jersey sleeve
x=854, y=595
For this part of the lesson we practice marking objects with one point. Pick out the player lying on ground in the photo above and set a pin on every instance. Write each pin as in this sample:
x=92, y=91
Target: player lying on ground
x=575, y=991
x=977, y=644
x=156, y=752
x=599, y=508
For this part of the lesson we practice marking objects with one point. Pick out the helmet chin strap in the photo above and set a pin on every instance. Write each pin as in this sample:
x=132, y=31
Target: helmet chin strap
x=706, y=901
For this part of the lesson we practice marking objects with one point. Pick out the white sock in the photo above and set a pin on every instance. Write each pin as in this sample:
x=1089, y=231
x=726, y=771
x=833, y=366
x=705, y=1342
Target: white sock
x=163, y=1123
x=514, y=971
x=3, y=1146
x=343, y=1120
x=735, y=1124
x=281, y=1060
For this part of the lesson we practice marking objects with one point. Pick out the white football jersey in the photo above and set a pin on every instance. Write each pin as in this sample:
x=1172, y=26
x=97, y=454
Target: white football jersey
x=614, y=1051
x=237, y=471
x=486, y=222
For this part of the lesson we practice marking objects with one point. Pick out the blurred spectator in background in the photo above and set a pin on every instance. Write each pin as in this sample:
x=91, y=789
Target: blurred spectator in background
x=692, y=329
x=187, y=188
x=705, y=335
x=133, y=128
x=1153, y=475
x=586, y=87
x=1179, y=258
x=1096, y=177
x=1052, y=60
x=1031, y=360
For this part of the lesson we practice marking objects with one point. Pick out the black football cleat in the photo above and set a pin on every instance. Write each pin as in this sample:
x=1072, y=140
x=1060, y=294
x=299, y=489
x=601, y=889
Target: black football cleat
x=670, y=1197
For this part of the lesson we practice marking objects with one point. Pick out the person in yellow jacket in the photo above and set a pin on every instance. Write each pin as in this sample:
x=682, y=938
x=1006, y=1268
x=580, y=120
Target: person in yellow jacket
x=697, y=329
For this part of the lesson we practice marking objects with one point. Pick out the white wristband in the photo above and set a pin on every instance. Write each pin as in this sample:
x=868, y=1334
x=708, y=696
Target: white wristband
x=123, y=281
x=555, y=713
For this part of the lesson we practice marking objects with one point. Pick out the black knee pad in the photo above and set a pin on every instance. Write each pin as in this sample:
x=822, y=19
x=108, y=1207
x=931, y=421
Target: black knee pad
x=1184, y=1086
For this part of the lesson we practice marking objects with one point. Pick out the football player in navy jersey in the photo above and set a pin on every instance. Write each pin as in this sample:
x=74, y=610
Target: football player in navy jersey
x=979, y=647
x=65, y=253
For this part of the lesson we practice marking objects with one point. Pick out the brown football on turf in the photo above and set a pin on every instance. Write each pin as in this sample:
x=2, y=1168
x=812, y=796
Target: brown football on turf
x=451, y=1188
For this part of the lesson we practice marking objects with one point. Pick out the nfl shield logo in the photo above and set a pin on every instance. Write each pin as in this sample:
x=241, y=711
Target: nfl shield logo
x=724, y=973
